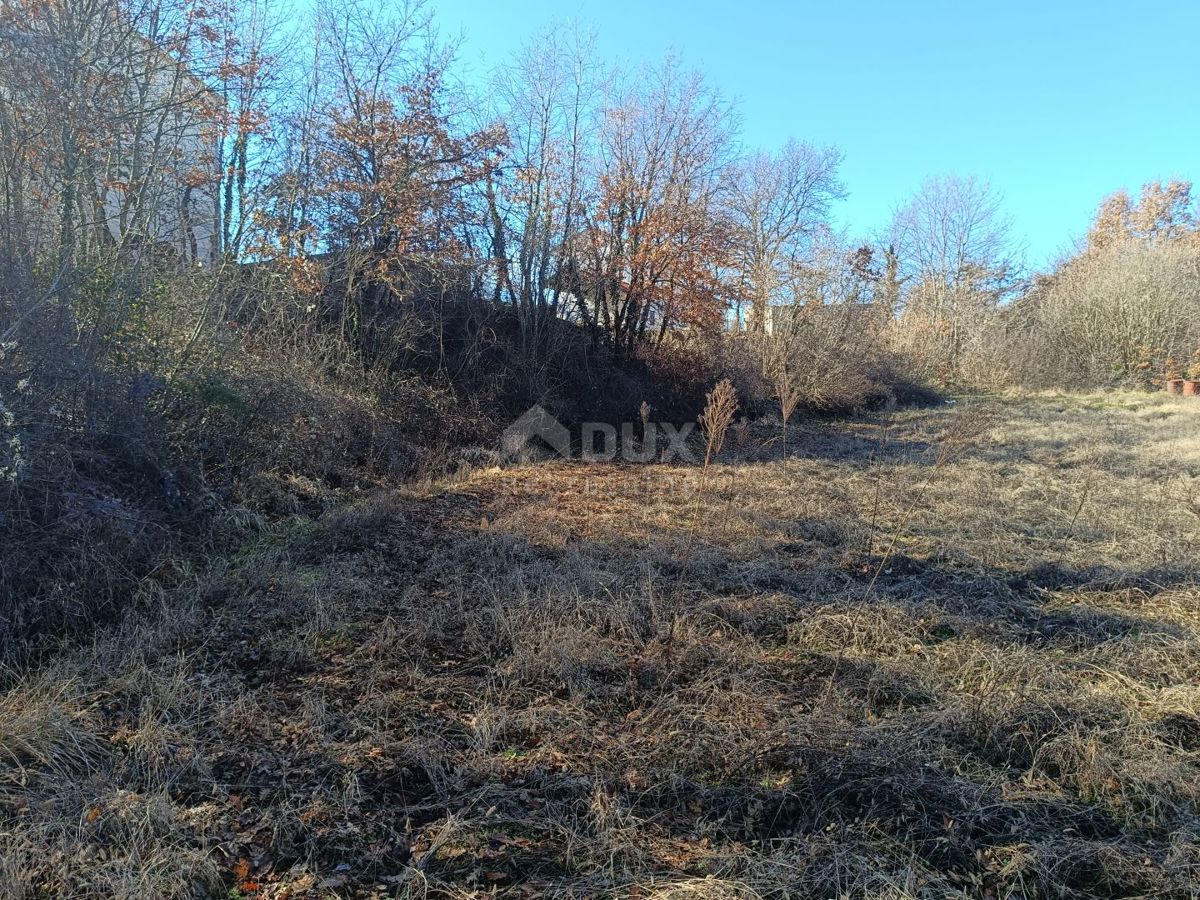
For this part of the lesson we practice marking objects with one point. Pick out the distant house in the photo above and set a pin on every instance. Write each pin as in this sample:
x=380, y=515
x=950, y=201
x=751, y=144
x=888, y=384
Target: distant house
x=147, y=176
x=183, y=208
x=783, y=317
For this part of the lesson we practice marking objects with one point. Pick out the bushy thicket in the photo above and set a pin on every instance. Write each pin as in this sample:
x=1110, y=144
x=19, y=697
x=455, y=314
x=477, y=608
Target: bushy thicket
x=1122, y=311
x=1124, y=316
x=150, y=416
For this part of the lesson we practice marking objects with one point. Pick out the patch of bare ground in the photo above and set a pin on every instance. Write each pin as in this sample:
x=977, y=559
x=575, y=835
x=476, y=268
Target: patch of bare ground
x=947, y=652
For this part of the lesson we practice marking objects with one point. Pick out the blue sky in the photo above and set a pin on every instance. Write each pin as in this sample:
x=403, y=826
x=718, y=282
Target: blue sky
x=1057, y=102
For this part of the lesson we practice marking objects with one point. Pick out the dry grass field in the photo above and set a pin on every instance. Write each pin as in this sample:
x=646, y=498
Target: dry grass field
x=934, y=653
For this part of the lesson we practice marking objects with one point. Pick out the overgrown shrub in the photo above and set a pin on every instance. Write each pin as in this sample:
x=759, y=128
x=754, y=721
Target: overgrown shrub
x=830, y=358
x=1109, y=318
x=132, y=426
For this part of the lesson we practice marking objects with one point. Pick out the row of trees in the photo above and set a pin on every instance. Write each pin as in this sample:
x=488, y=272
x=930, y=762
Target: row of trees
x=220, y=132
x=618, y=199
x=161, y=133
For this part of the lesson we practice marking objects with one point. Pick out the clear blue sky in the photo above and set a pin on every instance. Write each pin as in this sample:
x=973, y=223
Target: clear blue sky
x=1056, y=102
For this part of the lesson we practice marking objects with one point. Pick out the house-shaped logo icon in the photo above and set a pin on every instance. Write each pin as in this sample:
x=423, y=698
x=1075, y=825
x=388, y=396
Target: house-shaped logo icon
x=539, y=424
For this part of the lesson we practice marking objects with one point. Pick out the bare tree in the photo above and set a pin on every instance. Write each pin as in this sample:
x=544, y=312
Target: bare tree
x=954, y=231
x=548, y=101
x=245, y=71
x=391, y=173
x=111, y=118
x=955, y=251
x=653, y=245
x=776, y=204
x=107, y=157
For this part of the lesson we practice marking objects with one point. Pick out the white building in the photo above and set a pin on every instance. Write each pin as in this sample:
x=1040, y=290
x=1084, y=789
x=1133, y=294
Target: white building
x=137, y=171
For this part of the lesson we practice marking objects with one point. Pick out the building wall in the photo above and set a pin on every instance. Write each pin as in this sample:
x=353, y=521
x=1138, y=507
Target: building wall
x=148, y=175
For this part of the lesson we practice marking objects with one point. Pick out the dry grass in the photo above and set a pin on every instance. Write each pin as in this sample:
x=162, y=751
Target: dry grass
x=952, y=652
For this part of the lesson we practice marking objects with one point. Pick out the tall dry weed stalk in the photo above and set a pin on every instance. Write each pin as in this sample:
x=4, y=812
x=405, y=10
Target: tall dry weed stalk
x=789, y=394
x=719, y=409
